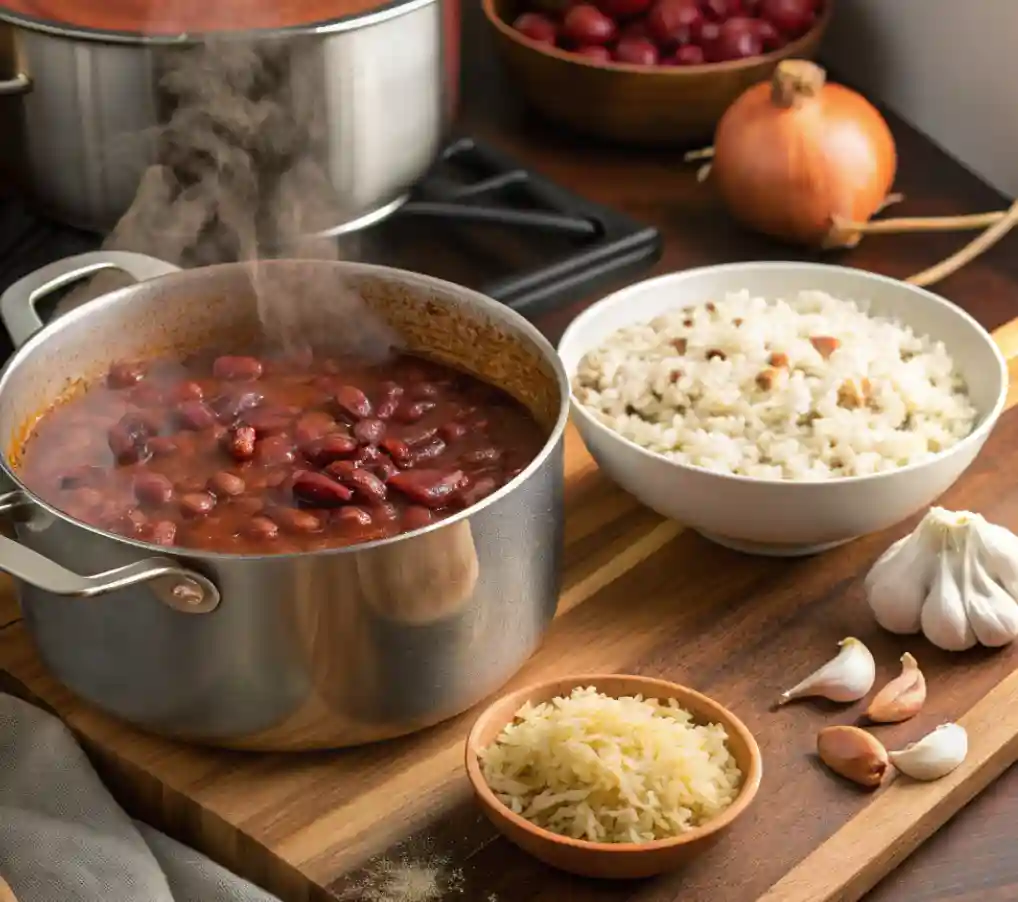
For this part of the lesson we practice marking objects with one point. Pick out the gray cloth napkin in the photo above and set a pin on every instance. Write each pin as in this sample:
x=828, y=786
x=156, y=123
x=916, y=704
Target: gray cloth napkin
x=64, y=839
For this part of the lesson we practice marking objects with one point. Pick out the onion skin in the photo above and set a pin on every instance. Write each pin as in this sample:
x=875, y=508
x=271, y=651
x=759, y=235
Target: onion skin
x=795, y=155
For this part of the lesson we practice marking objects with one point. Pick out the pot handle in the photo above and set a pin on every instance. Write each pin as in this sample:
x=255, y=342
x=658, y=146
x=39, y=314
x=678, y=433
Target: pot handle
x=17, y=304
x=19, y=84
x=180, y=588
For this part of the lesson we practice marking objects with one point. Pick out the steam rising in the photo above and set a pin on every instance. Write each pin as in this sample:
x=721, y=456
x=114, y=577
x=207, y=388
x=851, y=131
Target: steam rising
x=238, y=177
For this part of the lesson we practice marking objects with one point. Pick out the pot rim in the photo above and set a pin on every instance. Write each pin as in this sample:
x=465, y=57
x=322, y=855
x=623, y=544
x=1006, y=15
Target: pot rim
x=392, y=9
x=499, y=311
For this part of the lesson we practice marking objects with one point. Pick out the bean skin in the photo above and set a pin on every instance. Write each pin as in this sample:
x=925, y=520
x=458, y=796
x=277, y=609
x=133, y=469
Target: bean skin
x=267, y=421
x=355, y=516
x=195, y=415
x=145, y=394
x=240, y=443
x=418, y=434
x=124, y=374
x=319, y=490
x=369, y=431
x=162, y=446
x=427, y=452
x=274, y=450
x=226, y=484
x=197, y=504
x=452, y=431
x=430, y=488
x=162, y=532
x=129, y=442
x=296, y=521
x=388, y=400
x=230, y=406
x=237, y=369
x=353, y=402
x=416, y=518
x=187, y=391
x=365, y=485
x=332, y=447
x=261, y=528
x=312, y=426
x=398, y=450
x=412, y=412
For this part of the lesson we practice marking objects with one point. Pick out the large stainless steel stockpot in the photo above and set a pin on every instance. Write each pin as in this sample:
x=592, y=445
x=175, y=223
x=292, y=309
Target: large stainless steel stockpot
x=384, y=85
x=313, y=650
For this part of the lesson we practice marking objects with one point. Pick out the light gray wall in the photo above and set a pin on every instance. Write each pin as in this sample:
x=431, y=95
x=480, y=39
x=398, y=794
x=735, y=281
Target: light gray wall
x=950, y=67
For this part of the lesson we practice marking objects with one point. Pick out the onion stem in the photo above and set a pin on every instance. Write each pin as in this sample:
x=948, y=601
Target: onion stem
x=923, y=224
x=704, y=153
x=973, y=249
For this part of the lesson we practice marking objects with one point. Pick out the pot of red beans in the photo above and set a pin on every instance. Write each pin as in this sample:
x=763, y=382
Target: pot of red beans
x=302, y=504
x=648, y=72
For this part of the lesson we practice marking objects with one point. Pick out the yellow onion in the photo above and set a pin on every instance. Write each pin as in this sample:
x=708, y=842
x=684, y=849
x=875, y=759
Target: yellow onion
x=796, y=155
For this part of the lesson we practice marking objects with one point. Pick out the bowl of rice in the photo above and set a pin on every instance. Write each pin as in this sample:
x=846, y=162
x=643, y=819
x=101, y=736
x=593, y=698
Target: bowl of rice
x=782, y=408
x=612, y=776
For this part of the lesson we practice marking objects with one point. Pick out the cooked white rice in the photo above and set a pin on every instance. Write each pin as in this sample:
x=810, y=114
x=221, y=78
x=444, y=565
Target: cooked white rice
x=617, y=770
x=757, y=387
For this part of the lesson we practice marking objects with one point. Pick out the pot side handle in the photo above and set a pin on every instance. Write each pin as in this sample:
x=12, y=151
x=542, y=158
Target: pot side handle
x=179, y=588
x=17, y=304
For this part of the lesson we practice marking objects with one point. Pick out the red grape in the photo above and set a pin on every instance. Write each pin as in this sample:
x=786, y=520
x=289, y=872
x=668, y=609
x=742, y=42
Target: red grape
x=687, y=55
x=637, y=29
x=623, y=9
x=720, y=10
x=672, y=22
x=709, y=41
x=769, y=36
x=636, y=52
x=739, y=39
x=595, y=53
x=586, y=24
x=793, y=17
x=536, y=27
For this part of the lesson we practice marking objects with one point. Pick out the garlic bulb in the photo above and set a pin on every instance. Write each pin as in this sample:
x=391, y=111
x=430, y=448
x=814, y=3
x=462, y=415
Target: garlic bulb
x=935, y=755
x=955, y=579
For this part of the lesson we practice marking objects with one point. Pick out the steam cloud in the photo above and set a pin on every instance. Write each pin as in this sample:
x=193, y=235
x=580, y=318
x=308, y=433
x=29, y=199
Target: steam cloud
x=237, y=177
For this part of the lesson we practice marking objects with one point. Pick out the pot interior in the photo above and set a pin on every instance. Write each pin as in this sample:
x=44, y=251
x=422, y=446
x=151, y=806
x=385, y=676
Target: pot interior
x=332, y=307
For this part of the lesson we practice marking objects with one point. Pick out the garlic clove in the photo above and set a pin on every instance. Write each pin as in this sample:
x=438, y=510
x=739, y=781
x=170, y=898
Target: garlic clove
x=943, y=618
x=935, y=755
x=897, y=583
x=854, y=754
x=999, y=553
x=992, y=613
x=847, y=677
x=902, y=697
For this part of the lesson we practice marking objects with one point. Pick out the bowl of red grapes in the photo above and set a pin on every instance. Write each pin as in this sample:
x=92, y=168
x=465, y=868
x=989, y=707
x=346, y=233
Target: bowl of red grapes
x=648, y=71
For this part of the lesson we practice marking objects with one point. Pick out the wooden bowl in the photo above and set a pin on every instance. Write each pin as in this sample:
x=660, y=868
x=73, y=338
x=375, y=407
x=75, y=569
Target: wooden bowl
x=639, y=105
x=612, y=860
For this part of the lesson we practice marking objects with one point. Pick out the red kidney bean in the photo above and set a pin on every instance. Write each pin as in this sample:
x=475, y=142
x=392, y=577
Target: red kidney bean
x=389, y=395
x=452, y=431
x=162, y=446
x=424, y=390
x=367, y=454
x=476, y=490
x=313, y=425
x=82, y=475
x=355, y=516
x=267, y=420
x=330, y=448
x=424, y=453
x=418, y=434
x=186, y=391
x=293, y=520
x=383, y=468
x=226, y=484
x=188, y=485
x=124, y=374
x=131, y=522
x=352, y=401
x=487, y=455
x=261, y=528
x=153, y=488
x=240, y=443
x=230, y=406
x=416, y=518
x=194, y=415
x=366, y=485
x=274, y=450
x=341, y=469
x=370, y=431
x=161, y=532
x=237, y=369
x=431, y=488
x=384, y=512
x=412, y=412
x=145, y=394
x=319, y=490
x=248, y=506
x=398, y=450
x=197, y=504
x=129, y=442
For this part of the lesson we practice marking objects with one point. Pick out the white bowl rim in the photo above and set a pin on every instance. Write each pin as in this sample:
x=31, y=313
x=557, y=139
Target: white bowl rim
x=976, y=437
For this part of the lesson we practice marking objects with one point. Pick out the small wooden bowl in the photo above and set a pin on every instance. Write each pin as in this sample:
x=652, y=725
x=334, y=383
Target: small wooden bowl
x=638, y=105
x=612, y=860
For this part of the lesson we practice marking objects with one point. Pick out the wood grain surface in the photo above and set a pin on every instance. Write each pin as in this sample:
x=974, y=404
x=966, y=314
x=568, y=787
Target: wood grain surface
x=643, y=596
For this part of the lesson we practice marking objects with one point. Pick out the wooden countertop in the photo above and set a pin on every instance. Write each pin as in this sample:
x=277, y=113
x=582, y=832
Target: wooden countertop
x=973, y=858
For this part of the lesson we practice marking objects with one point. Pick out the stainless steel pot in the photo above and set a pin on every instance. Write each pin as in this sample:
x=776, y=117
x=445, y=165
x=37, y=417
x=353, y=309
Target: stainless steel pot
x=91, y=103
x=314, y=650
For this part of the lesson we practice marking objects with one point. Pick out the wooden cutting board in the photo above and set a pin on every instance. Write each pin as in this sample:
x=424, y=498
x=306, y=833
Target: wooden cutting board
x=641, y=595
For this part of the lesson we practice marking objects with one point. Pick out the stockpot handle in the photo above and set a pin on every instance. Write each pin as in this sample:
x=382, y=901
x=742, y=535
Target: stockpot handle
x=180, y=588
x=17, y=304
x=19, y=84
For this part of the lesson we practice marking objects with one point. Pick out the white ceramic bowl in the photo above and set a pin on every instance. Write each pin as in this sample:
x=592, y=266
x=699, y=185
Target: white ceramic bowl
x=780, y=517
